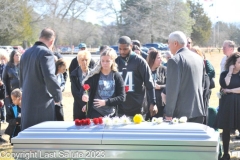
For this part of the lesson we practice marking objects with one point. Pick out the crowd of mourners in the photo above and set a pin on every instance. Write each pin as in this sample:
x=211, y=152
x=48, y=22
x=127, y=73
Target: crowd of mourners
x=172, y=84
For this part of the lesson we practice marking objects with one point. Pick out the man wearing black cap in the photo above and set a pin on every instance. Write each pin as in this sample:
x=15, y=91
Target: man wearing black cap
x=135, y=72
x=74, y=64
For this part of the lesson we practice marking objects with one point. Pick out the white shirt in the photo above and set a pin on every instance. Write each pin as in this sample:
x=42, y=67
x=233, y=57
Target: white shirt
x=222, y=64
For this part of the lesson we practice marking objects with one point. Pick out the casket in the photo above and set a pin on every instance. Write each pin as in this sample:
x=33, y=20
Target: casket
x=148, y=141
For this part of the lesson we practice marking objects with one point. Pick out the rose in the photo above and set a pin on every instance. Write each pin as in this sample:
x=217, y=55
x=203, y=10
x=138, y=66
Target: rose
x=88, y=121
x=86, y=87
x=95, y=121
x=126, y=89
x=78, y=122
x=100, y=120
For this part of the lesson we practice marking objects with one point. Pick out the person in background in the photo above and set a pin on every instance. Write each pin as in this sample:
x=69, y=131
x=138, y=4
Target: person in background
x=228, y=49
x=59, y=56
x=74, y=63
x=38, y=81
x=77, y=77
x=151, y=49
x=106, y=87
x=142, y=53
x=14, y=114
x=136, y=49
x=189, y=43
x=167, y=55
x=137, y=75
x=11, y=75
x=229, y=109
x=159, y=72
x=184, y=86
x=61, y=67
x=3, y=59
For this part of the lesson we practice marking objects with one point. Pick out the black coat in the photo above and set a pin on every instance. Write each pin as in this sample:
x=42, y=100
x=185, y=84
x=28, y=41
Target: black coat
x=13, y=129
x=74, y=64
x=117, y=98
x=77, y=94
x=10, y=78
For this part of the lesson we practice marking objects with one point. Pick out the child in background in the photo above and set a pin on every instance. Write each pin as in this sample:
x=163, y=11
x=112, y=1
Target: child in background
x=14, y=114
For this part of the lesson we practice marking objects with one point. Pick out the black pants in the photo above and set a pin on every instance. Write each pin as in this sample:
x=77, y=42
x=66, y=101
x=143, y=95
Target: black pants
x=59, y=112
x=197, y=119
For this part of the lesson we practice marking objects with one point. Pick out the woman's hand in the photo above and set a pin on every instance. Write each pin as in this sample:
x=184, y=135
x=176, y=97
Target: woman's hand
x=226, y=91
x=99, y=103
x=157, y=86
x=85, y=98
x=84, y=108
x=231, y=67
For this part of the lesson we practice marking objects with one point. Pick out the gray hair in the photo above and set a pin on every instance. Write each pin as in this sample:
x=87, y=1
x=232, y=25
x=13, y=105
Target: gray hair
x=168, y=54
x=16, y=93
x=178, y=36
x=230, y=43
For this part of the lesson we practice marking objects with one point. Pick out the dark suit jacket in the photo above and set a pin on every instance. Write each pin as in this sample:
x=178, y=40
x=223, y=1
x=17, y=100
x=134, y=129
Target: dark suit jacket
x=39, y=85
x=184, y=85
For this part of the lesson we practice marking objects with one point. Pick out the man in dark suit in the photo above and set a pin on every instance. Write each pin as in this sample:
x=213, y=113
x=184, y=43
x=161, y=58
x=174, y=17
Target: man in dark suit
x=38, y=81
x=184, y=86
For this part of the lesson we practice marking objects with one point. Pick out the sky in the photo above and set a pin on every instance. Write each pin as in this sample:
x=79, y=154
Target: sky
x=218, y=10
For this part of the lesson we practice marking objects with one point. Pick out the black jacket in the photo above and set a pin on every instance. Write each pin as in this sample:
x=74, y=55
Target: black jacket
x=77, y=94
x=13, y=129
x=10, y=78
x=117, y=98
x=136, y=75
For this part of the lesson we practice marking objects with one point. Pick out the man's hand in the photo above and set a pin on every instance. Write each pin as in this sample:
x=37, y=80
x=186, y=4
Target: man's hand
x=1, y=82
x=168, y=118
x=58, y=103
x=153, y=110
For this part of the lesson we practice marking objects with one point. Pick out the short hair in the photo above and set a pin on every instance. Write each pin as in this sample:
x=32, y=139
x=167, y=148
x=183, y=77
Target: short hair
x=102, y=48
x=232, y=60
x=83, y=53
x=151, y=57
x=59, y=63
x=4, y=53
x=136, y=42
x=230, y=43
x=16, y=93
x=197, y=50
x=135, y=47
x=125, y=40
x=47, y=33
x=178, y=36
x=168, y=54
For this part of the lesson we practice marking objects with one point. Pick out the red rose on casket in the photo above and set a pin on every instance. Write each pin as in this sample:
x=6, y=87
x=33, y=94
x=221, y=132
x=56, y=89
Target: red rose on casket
x=95, y=121
x=78, y=122
x=88, y=121
x=100, y=120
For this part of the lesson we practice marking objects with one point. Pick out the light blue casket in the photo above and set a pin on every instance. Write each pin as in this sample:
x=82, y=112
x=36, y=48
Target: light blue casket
x=64, y=140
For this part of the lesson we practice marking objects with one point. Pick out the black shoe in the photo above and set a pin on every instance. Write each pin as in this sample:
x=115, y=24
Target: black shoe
x=2, y=140
x=225, y=157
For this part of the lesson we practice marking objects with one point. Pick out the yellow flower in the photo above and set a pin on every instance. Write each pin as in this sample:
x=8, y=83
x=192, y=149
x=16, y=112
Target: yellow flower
x=137, y=118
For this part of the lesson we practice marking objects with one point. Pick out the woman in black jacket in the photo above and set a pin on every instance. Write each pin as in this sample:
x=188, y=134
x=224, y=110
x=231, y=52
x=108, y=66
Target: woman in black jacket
x=159, y=75
x=76, y=77
x=106, y=87
x=11, y=74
